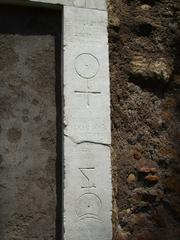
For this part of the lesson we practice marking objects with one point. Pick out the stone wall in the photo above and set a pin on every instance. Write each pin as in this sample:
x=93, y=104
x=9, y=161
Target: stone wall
x=28, y=123
x=145, y=82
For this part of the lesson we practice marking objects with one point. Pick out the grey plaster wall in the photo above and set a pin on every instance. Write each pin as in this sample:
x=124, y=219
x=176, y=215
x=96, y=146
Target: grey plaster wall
x=27, y=124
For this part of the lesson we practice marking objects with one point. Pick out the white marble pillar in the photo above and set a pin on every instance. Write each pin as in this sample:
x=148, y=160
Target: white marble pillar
x=87, y=137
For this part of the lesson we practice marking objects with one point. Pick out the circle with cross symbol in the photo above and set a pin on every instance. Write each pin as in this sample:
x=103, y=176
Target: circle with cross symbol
x=86, y=65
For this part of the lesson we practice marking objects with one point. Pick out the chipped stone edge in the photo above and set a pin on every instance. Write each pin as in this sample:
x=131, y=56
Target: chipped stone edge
x=87, y=141
x=92, y=4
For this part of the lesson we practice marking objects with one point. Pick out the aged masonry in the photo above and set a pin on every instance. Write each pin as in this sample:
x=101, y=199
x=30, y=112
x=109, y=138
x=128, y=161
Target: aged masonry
x=87, y=135
x=87, y=194
x=144, y=38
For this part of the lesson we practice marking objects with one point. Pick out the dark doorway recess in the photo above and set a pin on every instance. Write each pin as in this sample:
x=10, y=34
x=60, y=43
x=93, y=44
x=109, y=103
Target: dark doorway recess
x=31, y=173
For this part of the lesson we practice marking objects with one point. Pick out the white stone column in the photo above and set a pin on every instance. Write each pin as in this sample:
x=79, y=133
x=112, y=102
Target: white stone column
x=87, y=136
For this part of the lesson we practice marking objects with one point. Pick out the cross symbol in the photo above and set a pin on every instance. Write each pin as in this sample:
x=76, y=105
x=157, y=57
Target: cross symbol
x=88, y=93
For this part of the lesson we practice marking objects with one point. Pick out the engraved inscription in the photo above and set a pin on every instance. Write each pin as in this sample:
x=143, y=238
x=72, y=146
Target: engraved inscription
x=86, y=65
x=88, y=92
x=89, y=206
x=86, y=172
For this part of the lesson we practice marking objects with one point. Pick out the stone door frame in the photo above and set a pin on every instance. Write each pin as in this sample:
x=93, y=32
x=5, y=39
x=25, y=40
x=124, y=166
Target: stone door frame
x=87, y=198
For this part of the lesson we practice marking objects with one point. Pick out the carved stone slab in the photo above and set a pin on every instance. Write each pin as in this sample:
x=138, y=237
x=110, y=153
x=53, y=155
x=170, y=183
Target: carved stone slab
x=94, y=4
x=87, y=136
x=87, y=193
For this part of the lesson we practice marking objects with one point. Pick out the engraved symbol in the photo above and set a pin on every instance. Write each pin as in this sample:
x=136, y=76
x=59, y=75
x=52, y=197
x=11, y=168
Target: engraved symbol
x=85, y=173
x=89, y=206
x=86, y=65
x=88, y=92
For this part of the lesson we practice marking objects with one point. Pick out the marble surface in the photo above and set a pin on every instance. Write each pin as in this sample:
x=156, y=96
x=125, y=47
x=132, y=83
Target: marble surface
x=87, y=136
